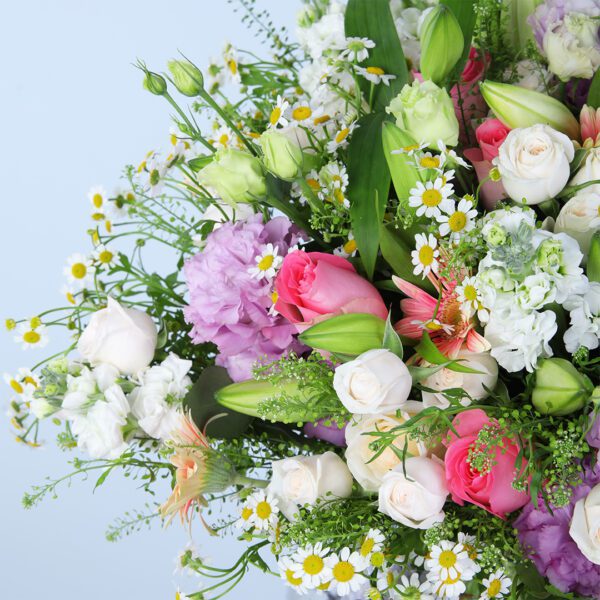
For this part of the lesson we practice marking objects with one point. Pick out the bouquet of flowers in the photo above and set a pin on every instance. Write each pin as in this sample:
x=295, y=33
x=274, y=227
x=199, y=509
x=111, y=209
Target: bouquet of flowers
x=376, y=352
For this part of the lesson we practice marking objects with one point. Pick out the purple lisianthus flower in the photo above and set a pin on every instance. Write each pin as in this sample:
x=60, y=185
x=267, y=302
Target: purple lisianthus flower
x=230, y=304
x=593, y=435
x=546, y=539
x=328, y=433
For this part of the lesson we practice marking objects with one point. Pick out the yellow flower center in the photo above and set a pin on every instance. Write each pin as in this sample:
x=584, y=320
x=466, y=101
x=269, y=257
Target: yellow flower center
x=447, y=559
x=375, y=71
x=494, y=588
x=224, y=140
x=457, y=221
x=350, y=246
x=31, y=337
x=433, y=326
x=343, y=571
x=10, y=324
x=377, y=559
x=426, y=255
x=322, y=119
x=79, y=270
x=339, y=196
x=70, y=298
x=233, y=67
x=324, y=586
x=390, y=578
x=470, y=293
x=302, y=113
x=105, y=256
x=16, y=386
x=410, y=148
x=174, y=139
x=97, y=216
x=275, y=115
x=289, y=575
x=263, y=510
x=274, y=297
x=342, y=135
x=35, y=322
x=313, y=184
x=431, y=197
x=97, y=200
x=108, y=226
x=313, y=564
x=430, y=162
x=266, y=262
x=246, y=513
x=367, y=546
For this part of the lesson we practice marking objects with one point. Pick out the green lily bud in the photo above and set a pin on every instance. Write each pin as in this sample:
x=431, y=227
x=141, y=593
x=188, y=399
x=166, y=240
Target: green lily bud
x=155, y=83
x=442, y=43
x=518, y=107
x=187, y=77
x=560, y=389
x=281, y=155
x=518, y=29
x=593, y=263
x=350, y=335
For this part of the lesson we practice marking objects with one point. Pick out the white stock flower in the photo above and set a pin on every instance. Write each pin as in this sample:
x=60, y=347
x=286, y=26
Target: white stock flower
x=535, y=291
x=326, y=35
x=580, y=217
x=585, y=319
x=585, y=525
x=375, y=382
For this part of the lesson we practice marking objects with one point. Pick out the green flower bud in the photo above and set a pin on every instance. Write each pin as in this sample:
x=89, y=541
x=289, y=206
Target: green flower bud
x=187, y=77
x=496, y=236
x=442, y=44
x=560, y=389
x=350, y=335
x=281, y=156
x=593, y=262
x=519, y=107
x=155, y=83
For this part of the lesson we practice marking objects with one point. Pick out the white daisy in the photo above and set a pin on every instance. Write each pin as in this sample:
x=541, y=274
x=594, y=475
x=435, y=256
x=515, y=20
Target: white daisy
x=23, y=382
x=458, y=221
x=79, y=271
x=278, y=114
x=335, y=175
x=348, y=248
x=98, y=199
x=267, y=263
x=496, y=586
x=386, y=579
x=470, y=544
x=357, y=49
x=471, y=300
x=118, y=206
x=70, y=293
x=450, y=156
x=411, y=150
x=413, y=588
x=448, y=569
x=373, y=542
x=265, y=510
x=245, y=522
x=30, y=337
x=302, y=113
x=286, y=570
x=103, y=256
x=432, y=197
x=424, y=257
x=340, y=140
x=310, y=565
x=232, y=63
x=428, y=160
x=223, y=137
x=346, y=571
x=375, y=75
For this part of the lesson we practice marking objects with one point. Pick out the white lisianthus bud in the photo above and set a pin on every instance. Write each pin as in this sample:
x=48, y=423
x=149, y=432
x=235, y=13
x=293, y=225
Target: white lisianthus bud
x=580, y=219
x=534, y=163
x=414, y=494
x=585, y=525
x=302, y=480
x=375, y=382
x=122, y=337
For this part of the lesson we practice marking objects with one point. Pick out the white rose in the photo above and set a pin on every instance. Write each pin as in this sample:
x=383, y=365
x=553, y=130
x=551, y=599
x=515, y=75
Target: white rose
x=534, y=163
x=375, y=382
x=120, y=336
x=474, y=384
x=589, y=171
x=301, y=480
x=414, y=494
x=585, y=525
x=359, y=456
x=580, y=218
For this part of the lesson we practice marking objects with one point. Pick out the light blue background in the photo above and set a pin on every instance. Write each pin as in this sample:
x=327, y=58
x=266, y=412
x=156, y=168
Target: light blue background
x=72, y=114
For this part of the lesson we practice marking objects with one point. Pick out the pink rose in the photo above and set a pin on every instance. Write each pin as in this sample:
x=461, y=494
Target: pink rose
x=493, y=490
x=490, y=136
x=312, y=286
x=491, y=192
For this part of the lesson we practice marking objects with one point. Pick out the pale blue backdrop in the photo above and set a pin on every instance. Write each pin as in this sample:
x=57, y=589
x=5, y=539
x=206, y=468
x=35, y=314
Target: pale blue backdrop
x=72, y=114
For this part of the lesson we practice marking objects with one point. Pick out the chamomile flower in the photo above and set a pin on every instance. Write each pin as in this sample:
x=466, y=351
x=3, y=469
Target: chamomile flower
x=245, y=522
x=104, y=256
x=310, y=565
x=470, y=544
x=30, y=337
x=413, y=588
x=373, y=542
x=432, y=197
x=375, y=75
x=232, y=64
x=449, y=567
x=223, y=137
x=471, y=300
x=348, y=248
x=98, y=199
x=410, y=150
x=267, y=263
x=346, y=571
x=357, y=49
x=458, y=221
x=340, y=139
x=70, y=293
x=335, y=175
x=450, y=156
x=287, y=572
x=425, y=256
x=434, y=325
x=274, y=297
x=302, y=113
x=117, y=207
x=79, y=271
x=278, y=114
x=428, y=160
x=496, y=586
x=386, y=579
x=23, y=382
x=264, y=508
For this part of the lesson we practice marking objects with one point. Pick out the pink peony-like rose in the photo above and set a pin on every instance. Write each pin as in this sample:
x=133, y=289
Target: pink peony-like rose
x=312, y=286
x=490, y=135
x=492, y=490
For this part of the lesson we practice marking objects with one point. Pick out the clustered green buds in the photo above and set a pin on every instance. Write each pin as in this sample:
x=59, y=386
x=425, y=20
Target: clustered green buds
x=187, y=78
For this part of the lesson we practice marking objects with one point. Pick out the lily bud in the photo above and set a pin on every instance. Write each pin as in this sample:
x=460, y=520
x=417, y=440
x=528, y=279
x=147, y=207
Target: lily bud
x=350, y=335
x=519, y=107
x=560, y=389
x=155, y=83
x=187, y=78
x=442, y=43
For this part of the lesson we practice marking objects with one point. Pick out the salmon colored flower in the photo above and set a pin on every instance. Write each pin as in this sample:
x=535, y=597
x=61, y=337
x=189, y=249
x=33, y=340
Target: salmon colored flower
x=589, y=119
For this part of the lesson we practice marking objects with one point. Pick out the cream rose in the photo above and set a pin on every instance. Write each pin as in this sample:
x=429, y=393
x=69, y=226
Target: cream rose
x=580, y=218
x=375, y=382
x=534, y=163
x=473, y=383
x=585, y=525
x=414, y=494
x=301, y=480
x=369, y=473
x=122, y=337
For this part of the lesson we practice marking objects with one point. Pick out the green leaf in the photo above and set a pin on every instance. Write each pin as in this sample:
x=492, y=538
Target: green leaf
x=102, y=478
x=369, y=187
x=418, y=374
x=593, y=263
x=464, y=12
x=429, y=352
x=593, y=98
x=198, y=163
x=391, y=340
x=204, y=407
x=373, y=19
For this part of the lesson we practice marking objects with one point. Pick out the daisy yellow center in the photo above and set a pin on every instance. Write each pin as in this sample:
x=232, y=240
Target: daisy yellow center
x=375, y=71
x=350, y=247
x=343, y=571
x=275, y=115
x=105, y=256
x=313, y=564
x=79, y=270
x=342, y=135
x=263, y=510
x=289, y=575
x=390, y=578
x=30, y=381
x=31, y=337
x=246, y=513
x=302, y=113
x=98, y=216
x=470, y=293
x=97, y=200
x=377, y=559
x=35, y=322
x=10, y=324
x=173, y=139
x=430, y=162
x=70, y=298
x=324, y=586
x=274, y=297
x=367, y=546
x=426, y=255
x=224, y=139
x=233, y=68
x=410, y=148
x=108, y=226
x=266, y=262
x=322, y=119
x=433, y=326
x=313, y=184
x=494, y=588
x=431, y=197
x=447, y=559
x=457, y=221
x=16, y=386
x=339, y=196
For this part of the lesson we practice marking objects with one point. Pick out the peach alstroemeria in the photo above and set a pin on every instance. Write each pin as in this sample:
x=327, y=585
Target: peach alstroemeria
x=450, y=327
x=589, y=119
